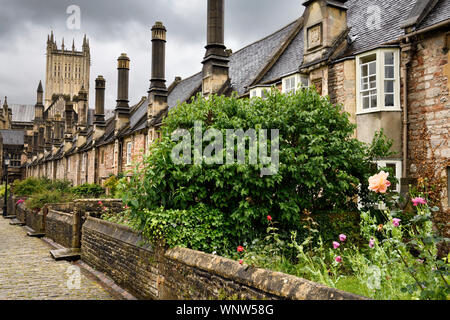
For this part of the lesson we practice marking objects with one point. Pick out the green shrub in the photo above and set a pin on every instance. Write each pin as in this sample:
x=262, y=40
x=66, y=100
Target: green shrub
x=39, y=200
x=88, y=190
x=321, y=163
x=2, y=191
x=199, y=228
x=27, y=187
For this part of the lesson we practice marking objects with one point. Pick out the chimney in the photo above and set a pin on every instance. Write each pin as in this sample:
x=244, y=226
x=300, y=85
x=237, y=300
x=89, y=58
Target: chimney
x=39, y=107
x=99, y=121
x=122, y=109
x=215, y=63
x=68, y=130
x=82, y=109
x=158, y=90
x=57, y=135
x=325, y=24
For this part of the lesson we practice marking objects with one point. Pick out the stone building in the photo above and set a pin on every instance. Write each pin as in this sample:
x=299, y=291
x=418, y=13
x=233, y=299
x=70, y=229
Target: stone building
x=67, y=70
x=386, y=62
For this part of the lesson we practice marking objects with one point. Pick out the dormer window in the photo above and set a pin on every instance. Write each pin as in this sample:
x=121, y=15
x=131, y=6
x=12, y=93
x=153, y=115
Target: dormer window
x=378, y=86
x=292, y=83
x=260, y=92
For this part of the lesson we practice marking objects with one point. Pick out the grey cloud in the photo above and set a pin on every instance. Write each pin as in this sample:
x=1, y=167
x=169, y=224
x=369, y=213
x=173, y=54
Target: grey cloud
x=124, y=26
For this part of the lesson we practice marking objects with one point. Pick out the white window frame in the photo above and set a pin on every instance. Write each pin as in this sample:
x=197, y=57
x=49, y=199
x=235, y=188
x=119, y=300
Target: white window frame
x=129, y=148
x=380, y=81
x=398, y=170
x=293, y=82
x=260, y=92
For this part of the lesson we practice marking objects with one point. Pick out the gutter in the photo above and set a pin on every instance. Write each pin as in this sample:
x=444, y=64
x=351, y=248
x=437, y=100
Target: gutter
x=427, y=29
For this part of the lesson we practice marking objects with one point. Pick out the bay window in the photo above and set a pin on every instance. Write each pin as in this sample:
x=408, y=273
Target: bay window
x=378, y=84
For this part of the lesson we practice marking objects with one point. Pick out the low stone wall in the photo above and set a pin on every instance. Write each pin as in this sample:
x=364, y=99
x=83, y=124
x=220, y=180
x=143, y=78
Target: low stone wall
x=61, y=225
x=92, y=208
x=21, y=212
x=119, y=252
x=152, y=273
x=36, y=220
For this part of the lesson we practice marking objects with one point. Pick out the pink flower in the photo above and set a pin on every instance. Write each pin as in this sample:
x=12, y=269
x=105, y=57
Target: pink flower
x=100, y=203
x=396, y=222
x=342, y=237
x=338, y=259
x=20, y=201
x=379, y=182
x=336, y=245
x=419, y=200
x=419, y=260
x=240, y=248
x=269, y=218
x=126, y=207
x=372, y=243
x=105, y=208
x=241, y=261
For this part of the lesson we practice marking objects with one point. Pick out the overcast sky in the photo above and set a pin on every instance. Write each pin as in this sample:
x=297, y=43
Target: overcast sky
x=114, y=27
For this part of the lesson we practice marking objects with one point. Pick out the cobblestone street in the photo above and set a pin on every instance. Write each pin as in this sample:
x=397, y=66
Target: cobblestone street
x=28, y=272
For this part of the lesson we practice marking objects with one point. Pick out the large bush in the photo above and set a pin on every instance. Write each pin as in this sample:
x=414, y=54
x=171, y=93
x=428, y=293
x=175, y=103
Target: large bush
x=321, y=164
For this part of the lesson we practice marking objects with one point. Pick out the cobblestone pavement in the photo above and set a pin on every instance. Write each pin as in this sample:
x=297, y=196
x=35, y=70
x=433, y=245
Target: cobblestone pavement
x=28, y=272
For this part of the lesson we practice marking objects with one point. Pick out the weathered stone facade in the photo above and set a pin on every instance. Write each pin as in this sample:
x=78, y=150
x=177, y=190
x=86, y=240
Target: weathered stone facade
x=394, y=78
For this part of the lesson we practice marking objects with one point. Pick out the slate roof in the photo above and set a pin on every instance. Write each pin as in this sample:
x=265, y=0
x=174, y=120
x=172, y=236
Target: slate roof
x=184, y=90
x=440, y=13
x=393, y=15
x=13, y=137
x=22, y=112
x=246, y=63
x=289, y=61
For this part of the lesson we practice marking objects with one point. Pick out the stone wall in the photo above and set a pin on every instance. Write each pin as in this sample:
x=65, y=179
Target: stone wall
x=429, y=113
x=152, y=273
x=61, y=225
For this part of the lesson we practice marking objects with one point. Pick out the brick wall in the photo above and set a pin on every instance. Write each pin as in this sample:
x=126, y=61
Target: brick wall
x=152, y=273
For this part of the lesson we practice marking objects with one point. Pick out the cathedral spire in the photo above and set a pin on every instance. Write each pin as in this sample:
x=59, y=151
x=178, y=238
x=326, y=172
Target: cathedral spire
x=62, y=45
x=73, y=44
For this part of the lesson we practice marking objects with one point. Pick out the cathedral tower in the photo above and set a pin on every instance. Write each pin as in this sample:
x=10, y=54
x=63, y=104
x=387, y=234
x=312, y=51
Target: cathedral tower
x=67, y=69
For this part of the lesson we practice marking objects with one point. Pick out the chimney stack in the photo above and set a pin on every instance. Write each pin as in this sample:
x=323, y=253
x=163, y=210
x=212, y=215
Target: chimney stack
x=39, y=107
x=68, y=130
x=158, y=90
x=82, y=109
x=99, y=117
x=215, y=63
x=122, y=107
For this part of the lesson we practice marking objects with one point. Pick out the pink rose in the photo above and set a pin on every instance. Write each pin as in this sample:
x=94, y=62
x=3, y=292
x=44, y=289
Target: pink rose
x=100, y=203
x=20, y=201
x=396, y=222
x=241, y=261
x=338, y=259
x=379, y=182
x=336, y=245
x=419, y=200
x=342, y=237
x=372, y=243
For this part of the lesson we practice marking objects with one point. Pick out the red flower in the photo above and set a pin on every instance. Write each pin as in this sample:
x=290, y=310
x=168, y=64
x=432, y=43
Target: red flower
x=269, y=218
x=240, y=248
x=241, y=261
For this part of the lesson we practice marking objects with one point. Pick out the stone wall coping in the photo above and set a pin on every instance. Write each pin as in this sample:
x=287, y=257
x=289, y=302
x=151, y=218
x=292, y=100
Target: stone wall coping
x=119, y=232
x=61, y=213
x=96, y=200
x=276, y=283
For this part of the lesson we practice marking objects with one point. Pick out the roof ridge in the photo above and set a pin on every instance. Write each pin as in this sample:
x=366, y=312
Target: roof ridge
x=268, y=36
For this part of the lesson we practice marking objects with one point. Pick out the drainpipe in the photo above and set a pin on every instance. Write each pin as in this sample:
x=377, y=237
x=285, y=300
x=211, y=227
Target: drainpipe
x=406, y=49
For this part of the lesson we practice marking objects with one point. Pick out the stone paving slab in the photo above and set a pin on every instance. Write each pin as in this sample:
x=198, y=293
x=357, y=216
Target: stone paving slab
x=28, y=272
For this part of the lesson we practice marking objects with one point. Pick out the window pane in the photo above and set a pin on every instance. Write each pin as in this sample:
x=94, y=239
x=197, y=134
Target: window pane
x=389, y=58
x=393, y=166
x=364, y=70
x=389, y=72
x=373, y=68
x=373, y=100
x=389, y=86
x=389, y=100
x=366, y=103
